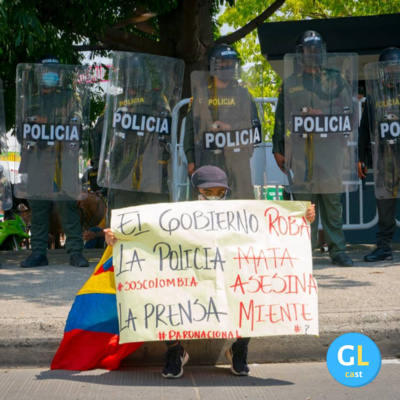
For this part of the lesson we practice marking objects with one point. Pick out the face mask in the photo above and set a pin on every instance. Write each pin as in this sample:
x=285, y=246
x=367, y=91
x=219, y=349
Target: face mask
x=50, y=79
x=202, y=197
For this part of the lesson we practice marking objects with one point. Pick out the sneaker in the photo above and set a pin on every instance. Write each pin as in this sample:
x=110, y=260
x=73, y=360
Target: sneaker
x=175, y=358
x=35, y=260
x=379, y=254
x=342, y=260
x=77, y=260
x=238, y=359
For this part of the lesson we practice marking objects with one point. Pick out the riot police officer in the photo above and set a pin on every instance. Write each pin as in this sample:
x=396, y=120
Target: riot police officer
x=324, y=91
x=222, y=125
x=134, y=162
x=383, y=105
x=55, y=161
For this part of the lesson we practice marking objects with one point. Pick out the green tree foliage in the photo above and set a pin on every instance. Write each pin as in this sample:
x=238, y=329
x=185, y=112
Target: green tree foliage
x=30, y=29
x=262, y=80
x=184, y=29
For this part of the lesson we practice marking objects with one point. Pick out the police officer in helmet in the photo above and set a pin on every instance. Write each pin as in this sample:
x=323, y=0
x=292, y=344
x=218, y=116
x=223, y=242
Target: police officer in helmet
x=389, y=83
x=220, y=105
x=314, y=89
x=224, y=63
x=51, y=105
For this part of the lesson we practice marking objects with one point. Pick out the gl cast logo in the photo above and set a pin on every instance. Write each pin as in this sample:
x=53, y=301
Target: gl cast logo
x=352, y=374
x=353, y=360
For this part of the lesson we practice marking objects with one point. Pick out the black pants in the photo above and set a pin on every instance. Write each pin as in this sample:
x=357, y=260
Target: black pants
x=386, y=222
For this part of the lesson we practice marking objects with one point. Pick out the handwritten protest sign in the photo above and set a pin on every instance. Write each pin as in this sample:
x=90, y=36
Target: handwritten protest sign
x=212, y=269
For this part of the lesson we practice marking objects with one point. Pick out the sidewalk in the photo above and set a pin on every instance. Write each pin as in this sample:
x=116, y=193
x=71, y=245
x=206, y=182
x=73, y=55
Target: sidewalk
x=35, y=304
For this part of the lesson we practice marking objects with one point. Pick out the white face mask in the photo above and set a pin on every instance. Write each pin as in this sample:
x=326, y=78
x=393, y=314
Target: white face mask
x=202, y=197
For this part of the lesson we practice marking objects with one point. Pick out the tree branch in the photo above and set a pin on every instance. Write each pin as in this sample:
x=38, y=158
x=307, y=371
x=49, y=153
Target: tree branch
x=135, y=20
x=253, y=24
x=123, y=41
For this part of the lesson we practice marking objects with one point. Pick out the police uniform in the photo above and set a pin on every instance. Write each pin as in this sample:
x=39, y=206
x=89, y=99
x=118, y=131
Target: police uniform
x=53, y=108
x=134, y=158
x=232, y=105
x=386, y=207
x=326, y=91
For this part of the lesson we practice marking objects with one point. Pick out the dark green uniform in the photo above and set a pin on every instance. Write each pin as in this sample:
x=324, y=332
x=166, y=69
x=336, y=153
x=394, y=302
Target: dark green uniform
x=328, y=91
x=386, y=206
x=139, y=163
x=232, y=105
x=53, y=107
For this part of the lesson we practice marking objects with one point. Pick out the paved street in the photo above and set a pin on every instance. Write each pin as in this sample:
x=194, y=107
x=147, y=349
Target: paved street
x=35, y=304
x=297, y=381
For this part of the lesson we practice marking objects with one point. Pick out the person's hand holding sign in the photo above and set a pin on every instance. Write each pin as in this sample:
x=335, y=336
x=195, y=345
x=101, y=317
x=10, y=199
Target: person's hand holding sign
x=310, y=213
x=110, y=238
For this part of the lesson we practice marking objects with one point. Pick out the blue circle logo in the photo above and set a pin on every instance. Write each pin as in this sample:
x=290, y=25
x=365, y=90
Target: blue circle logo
x=353, y=359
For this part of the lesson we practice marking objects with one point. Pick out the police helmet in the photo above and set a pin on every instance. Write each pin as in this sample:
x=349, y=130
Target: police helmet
x=224, y=62
x=390, y=54
x=390, y=59
x=310, y=49
x=50, y=77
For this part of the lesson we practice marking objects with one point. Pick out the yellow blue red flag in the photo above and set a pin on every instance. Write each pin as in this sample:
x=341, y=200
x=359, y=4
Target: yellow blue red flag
x=91, y=336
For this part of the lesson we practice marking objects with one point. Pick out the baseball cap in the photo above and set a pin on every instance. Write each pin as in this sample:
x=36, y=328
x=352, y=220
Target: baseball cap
x=209, y=176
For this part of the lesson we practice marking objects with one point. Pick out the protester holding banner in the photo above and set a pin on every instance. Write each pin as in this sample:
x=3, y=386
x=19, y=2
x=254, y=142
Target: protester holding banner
x=212, y=184
x=222, y=124
x=52, y=112
x=135, y=148
x=314, y=134
x=380, y=126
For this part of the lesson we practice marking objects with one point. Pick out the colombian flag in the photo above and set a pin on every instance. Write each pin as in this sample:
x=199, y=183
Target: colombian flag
x=91, y=334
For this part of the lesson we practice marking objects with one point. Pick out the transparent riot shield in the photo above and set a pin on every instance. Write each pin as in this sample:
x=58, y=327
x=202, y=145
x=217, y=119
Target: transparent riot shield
x=321, y=124
x=52, y=120
x=6, y=201
x=383, y=91
x=135, y=149
x=225, y=126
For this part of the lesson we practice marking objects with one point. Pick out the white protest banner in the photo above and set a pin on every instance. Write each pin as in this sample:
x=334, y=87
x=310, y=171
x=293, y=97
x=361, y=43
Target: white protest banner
x=214, y=269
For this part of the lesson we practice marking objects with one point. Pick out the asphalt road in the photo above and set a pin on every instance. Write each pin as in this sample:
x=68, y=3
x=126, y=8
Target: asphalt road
x=295, y=381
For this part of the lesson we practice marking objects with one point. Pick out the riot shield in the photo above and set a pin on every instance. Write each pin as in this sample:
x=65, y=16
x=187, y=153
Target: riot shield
x=6, y=201
x=321, y=124
x=135, y=149
x=383, y=91
x=226, y=127
x=52, y=120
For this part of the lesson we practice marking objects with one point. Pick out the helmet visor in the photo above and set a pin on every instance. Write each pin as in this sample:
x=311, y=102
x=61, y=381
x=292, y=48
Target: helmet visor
x=226, y=69
x=391, y=73
x=311, y=55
